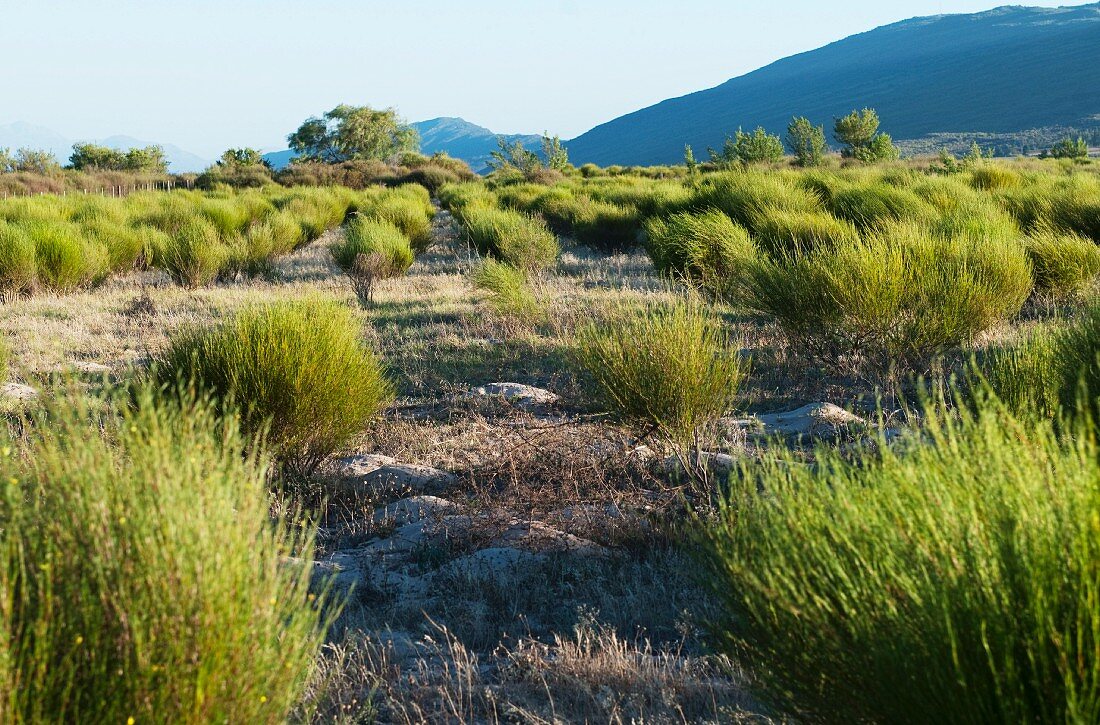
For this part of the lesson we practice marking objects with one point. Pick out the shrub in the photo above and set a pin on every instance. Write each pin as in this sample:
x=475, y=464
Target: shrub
x=18, y=267
x=1024, y=375
x=124, y=244
x=1063, y=264
x=143, y=576
x=894, y=588
x=517, y=239
x=708, y=247
x=778, y=231
x=298, y=367
x=745, y=196
x=462, y=198
x=874, y=205
x=407, y=214
x=666, y=370
x=989, y=177
x=372, y=249
x=893, y=301
x=195, y=254
x=508, y=289
x=608, y=227
x=1077, y=363
x=66, y=260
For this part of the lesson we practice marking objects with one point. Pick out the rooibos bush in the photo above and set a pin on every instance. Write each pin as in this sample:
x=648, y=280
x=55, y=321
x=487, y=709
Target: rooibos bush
x=18, y=267
x=665, y=370
x=893, y=301
x=508, y=289
x=143, y=577
x=300, y=368
x=65, y=258
x=708, y=247
x=1063, y=264
x=951, y=581
x=517, y=239
x=195, y=254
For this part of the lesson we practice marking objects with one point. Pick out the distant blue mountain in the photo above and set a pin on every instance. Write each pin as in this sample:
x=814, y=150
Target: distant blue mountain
x=1002, y=72
x=455, y=137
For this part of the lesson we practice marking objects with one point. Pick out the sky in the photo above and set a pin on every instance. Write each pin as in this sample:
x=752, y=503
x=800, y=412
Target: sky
x=207, y=75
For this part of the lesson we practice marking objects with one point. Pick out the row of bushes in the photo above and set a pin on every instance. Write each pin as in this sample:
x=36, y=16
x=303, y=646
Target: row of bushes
x=66, y=243
x=948, y=577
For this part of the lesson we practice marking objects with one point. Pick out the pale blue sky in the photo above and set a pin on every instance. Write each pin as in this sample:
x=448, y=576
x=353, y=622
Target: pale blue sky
x=209, y=74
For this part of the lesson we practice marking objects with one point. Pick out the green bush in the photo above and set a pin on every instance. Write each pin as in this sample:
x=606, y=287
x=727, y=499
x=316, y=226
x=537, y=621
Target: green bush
x=746, y=196
x=993, y=176
x=779, y=231
x=407, y=214
x=666, y=370
x=378, y=238
x=707, y=247
x=300, y=368
x=610, y=228
x=508, y=289
x=953, y=580
x=18, y=266
x=1077, y=362
x=195, y=254
x=891, y=302
x=512, y=237
x=1024, y=375
x=143, y=577
x=66, y=259
x=1063, y=264
x=873, y=205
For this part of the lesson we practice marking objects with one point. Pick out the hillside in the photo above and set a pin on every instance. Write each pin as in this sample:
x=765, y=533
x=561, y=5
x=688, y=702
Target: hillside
x=1001, y=72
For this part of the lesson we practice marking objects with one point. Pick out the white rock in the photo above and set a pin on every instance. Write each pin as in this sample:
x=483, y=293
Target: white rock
x=414, y=508
x=539, y=537
x=15, y=391
x=381, y=475
x=517, y=393
x=717, y=464
x=813, y=420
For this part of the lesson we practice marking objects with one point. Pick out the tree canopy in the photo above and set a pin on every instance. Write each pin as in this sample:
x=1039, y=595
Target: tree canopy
x=348, y=133
x=90, y=156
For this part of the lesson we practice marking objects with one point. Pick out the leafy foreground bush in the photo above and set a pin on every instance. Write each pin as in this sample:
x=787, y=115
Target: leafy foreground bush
x=372, y=249
x=300, y=368
x=955, y=581
x=892, y=302
x=666, y=370
x=1064, y=264
x=143, y=578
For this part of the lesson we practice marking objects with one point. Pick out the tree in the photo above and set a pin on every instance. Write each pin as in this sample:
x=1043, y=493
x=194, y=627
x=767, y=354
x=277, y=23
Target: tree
x=243, y=157
x=38, y=162
x=1069, y=148
x=7, y=161
x=90, y=156
x=514, y=156
x=749, y=148
x=858, y=132
x=348, y=133
x=690, y=162
x=806, y=141
x=555, y=154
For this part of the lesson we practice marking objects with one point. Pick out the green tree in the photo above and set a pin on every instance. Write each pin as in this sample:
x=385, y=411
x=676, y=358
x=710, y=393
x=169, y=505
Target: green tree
x=7, y=161
x=514, y=156
x=90, y=156
x=349, y=133
x=806, y=141
x=555, y=154
x=38, y=162
x=858, y=132
x=749, y=148
x=1069, y=148
x=690, y=162
x=149, y=158
x=243, y=157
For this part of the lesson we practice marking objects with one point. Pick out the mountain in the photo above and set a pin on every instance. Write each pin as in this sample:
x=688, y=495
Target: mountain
x=467, y=141
x=455, y=137
x=1003, y=71
x=24, y=135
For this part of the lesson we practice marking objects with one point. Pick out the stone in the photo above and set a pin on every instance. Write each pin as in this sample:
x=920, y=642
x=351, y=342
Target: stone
x=382, y=475
x=717, y=464
x=413, y=509
x=517, y=393
x=493, y=561
x=15, y=391
x=539, y=537
x=816, y=420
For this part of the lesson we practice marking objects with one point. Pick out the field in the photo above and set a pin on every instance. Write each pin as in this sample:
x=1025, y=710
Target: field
x=601, y=445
